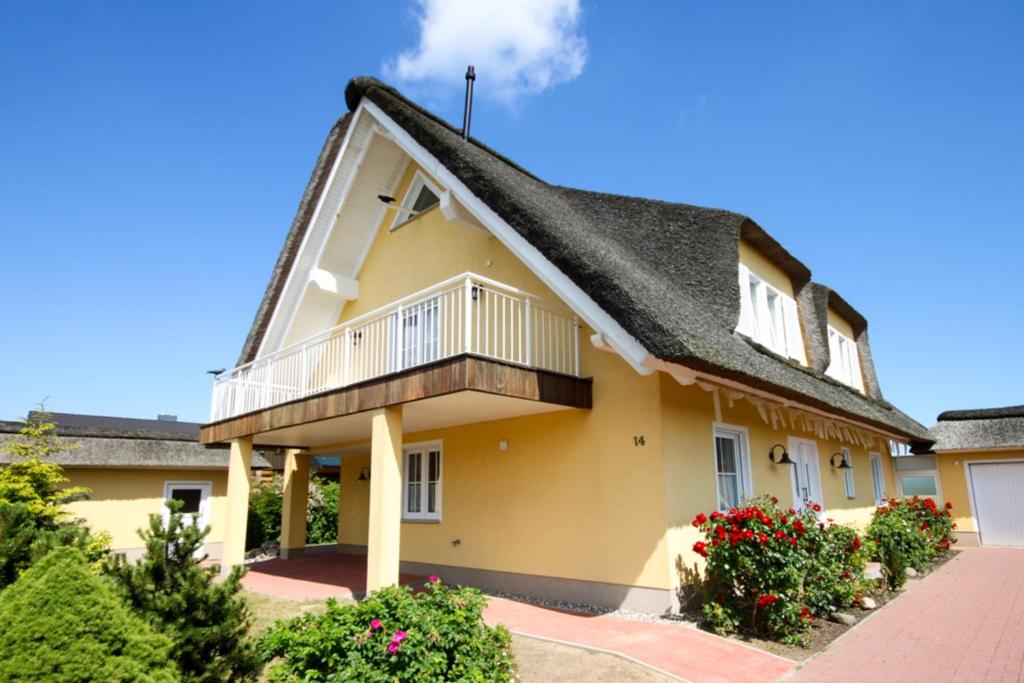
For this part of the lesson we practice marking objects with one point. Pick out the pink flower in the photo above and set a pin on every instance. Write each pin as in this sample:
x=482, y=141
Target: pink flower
x=433, y=578
x=375, y=624
x=399, y=636
x=392, y=648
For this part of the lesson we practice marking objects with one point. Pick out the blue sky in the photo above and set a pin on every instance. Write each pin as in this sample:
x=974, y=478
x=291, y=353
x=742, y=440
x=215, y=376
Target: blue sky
x=152, y=156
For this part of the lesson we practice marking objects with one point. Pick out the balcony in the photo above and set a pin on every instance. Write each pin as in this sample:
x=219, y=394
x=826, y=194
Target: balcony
x=467, y=315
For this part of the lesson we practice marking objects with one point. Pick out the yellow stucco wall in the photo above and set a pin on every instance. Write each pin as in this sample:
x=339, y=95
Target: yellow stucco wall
x=121, y=500
x=765, y=269
x=689, y=421
x=428, y=250
x=953, y=479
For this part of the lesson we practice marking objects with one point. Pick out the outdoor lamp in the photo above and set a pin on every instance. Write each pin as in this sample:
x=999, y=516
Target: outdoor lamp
x=843, y=465
x=783, y=459
x=364, y=474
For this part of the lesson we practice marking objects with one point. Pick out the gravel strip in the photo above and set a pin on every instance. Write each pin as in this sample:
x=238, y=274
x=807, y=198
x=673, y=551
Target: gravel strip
x=674, y=619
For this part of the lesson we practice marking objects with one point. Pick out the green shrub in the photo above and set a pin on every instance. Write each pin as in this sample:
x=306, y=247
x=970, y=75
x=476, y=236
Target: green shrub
x=207, y=620
x=61, y=622
x=909, y=533
x=322, y=511
x=264, y=520
x=770, y=572
x=266, y=501
x=394, y=635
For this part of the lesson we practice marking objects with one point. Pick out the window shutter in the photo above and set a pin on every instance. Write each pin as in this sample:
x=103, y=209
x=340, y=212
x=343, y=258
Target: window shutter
x=835, y=362
x=746, y=324
x=794, y=337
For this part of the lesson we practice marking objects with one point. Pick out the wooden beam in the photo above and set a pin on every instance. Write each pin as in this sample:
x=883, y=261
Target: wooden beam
x=455, y=212
x=459, y=373
x=335, y=283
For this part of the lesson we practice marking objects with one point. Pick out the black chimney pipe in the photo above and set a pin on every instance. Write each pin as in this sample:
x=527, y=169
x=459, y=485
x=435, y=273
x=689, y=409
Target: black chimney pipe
x=468, y=114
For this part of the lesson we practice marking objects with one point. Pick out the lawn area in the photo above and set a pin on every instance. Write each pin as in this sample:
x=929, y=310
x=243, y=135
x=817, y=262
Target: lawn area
x=538, y=660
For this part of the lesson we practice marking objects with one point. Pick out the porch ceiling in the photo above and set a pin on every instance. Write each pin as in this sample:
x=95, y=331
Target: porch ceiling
x=455, y=391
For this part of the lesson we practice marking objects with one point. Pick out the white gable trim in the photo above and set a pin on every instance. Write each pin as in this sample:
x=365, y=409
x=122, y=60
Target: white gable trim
x=624, y=343
x=289, y=280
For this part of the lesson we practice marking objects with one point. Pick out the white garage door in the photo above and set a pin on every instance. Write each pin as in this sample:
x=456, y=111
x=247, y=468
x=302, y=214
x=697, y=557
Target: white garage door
x=998, y=490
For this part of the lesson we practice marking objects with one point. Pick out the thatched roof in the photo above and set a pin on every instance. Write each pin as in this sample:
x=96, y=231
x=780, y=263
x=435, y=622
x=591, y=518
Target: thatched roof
x=666, y=272
x=980, y=429
x=120, y=442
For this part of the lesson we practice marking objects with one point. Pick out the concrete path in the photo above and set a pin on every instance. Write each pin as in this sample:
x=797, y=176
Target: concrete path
x=963, y=623
x=681, y=651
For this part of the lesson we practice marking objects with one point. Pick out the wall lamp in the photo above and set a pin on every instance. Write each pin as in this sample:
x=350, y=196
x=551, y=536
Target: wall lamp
x=843, y=464
x=364, y=474
x=783, y=459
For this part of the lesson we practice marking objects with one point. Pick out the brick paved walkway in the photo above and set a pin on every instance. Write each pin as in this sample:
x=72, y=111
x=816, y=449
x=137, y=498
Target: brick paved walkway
x=682, y=651
x=963, y=623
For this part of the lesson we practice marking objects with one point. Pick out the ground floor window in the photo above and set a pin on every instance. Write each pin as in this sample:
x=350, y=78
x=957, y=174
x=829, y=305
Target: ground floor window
x=194, y=497
x=851, y=492
x=421, y=497
x=732, y=466
x=877, y=478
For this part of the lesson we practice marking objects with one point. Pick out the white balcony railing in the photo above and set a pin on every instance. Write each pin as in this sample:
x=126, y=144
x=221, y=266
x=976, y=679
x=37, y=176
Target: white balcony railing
x=465, y=314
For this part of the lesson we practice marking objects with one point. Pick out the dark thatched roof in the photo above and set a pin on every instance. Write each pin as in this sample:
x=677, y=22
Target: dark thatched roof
x=121, y=442
x=980, y=429
x=665, y=271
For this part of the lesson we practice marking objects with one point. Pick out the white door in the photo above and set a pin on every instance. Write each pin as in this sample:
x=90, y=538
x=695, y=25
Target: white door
x=806, y=474
x=996, y=492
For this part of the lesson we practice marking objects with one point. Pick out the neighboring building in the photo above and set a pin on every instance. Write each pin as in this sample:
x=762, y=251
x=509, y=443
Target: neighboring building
x=131, y=467
x=980, y=459
x=536, y=388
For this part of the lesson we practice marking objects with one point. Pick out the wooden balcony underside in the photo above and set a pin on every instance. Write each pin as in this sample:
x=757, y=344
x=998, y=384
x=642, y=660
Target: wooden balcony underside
x=448, y=376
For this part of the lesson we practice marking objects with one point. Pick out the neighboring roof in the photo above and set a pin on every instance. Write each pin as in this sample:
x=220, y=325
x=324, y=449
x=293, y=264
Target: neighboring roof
x=666, y=272
x=981, y=429
x=128, y=442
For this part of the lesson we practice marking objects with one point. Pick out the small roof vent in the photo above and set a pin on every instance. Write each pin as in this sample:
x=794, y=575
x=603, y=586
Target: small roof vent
x=167, y=417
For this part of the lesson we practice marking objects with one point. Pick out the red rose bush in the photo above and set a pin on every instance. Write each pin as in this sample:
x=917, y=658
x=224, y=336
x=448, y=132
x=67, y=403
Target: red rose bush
x=771, y=571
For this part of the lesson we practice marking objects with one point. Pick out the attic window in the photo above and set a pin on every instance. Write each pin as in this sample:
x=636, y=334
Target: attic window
x=769, y=316
x=421, y=196
x=845, y=361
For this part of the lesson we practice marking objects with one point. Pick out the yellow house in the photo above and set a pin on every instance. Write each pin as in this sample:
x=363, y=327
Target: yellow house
x=535, y=388
x=132, y=467
x=979, y=463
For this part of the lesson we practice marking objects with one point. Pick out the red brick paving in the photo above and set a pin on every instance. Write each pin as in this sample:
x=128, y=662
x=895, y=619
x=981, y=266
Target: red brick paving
x=322, y=573
x=679, y=650
x=965, y=623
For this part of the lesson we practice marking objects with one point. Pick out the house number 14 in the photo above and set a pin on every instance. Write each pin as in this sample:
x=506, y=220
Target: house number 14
x=639, y=440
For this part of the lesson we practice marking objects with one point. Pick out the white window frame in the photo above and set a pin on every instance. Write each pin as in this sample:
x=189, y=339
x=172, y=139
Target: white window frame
x=419, y=181
x=745, y=483
x=848, y=483
x=769, y=316
x=424, y=447
x=205, y=494
x=877, y=482
x=844, y=360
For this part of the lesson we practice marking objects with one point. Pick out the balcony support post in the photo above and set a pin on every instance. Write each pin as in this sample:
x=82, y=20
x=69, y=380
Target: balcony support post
x=529, y=333
x=293, y=508
x=239, y=481
x=576, y=346
x=385, y=525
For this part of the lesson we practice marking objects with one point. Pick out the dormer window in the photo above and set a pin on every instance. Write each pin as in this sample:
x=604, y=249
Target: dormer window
x=421, y=196
x=845, y=361
x=769, y=316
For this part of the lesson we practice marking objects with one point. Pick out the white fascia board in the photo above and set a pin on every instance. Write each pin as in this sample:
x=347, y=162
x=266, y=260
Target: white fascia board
x=335, y=283
x=352, y=125
x=685, y=375
x=624, y=343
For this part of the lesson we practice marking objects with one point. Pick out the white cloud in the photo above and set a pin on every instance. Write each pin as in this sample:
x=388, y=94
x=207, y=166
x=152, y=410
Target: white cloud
x=517, y=46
